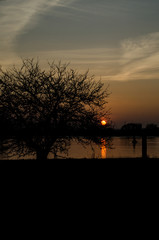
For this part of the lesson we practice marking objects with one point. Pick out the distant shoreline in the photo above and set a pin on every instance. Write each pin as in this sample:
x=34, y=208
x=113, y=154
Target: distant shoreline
x=88, y=159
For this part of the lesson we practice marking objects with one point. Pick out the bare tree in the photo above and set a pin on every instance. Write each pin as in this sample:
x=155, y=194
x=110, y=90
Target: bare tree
x=47, y=108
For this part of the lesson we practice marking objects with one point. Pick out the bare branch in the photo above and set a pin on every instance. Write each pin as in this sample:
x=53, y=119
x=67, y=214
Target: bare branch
x=59, y=102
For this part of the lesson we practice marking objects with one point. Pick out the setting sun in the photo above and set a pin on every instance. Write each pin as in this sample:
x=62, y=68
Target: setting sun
x=103, y=122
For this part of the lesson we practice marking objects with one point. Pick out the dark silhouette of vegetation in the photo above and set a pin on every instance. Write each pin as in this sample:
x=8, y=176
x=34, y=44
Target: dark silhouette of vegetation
x=42, y=110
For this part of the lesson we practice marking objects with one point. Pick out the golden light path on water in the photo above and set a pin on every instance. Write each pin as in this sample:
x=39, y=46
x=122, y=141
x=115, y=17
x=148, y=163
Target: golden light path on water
x=103, y=148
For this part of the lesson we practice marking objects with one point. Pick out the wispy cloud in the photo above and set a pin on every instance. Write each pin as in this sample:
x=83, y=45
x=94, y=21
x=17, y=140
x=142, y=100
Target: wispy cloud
x=139, y=59
x=100, y=61
x=16, y=15
x=135, y=59
x=141, y=47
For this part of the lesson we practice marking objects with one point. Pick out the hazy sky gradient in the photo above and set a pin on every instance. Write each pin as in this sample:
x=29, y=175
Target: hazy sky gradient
x=118, y=40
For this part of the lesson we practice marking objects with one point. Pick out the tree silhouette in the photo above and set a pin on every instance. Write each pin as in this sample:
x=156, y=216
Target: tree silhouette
x=46, y=108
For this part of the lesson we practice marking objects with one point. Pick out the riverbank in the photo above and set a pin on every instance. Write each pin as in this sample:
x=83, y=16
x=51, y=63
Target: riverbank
x=87, y=159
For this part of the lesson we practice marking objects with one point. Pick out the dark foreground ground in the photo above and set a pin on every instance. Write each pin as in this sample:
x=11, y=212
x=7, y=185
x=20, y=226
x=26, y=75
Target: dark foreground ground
x=92, y=159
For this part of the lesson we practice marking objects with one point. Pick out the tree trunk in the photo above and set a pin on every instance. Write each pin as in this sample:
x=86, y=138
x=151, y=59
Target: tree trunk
x=41, y=155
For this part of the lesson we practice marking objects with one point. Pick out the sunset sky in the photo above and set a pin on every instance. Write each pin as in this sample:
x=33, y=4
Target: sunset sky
x=117, y=40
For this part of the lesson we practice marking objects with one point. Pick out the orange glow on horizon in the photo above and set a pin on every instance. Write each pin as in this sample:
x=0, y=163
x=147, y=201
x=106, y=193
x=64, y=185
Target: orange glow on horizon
x=103, y=122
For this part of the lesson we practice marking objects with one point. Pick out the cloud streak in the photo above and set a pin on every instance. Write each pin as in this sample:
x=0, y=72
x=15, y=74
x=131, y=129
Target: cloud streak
x=135, y=59
x=16, y=15
x=138, y=59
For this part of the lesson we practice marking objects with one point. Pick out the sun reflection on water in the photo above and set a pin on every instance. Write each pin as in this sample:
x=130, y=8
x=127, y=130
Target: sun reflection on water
x=103, y=148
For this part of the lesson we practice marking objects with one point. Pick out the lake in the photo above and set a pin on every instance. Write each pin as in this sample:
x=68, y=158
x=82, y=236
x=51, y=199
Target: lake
x=121, y=147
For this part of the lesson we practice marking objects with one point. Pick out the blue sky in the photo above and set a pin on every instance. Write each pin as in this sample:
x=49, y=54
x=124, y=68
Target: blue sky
x=118, y=40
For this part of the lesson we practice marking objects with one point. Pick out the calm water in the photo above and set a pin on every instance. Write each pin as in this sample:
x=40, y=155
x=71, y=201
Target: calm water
x=122, y=147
